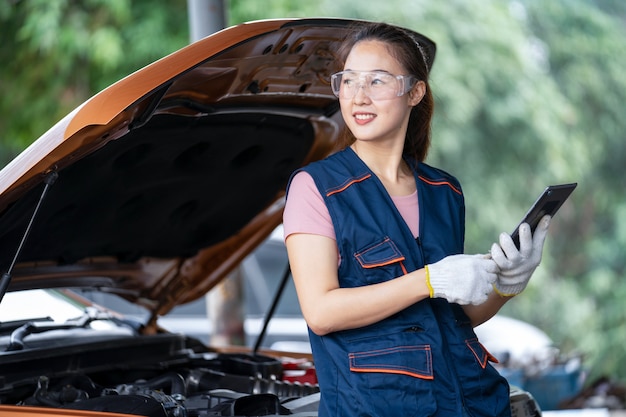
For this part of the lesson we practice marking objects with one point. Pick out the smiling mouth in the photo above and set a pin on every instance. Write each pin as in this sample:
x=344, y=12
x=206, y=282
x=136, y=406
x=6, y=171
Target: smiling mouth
x=364, y=117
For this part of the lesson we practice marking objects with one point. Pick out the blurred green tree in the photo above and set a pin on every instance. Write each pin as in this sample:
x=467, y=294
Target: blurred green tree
x=584, y=291
x=56, y=54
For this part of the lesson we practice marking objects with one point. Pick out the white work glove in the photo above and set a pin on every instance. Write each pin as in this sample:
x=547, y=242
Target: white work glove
x=462, y=279
x=517, y=266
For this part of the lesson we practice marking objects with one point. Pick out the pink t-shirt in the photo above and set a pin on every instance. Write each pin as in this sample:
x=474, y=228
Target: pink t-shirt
x=306, y=212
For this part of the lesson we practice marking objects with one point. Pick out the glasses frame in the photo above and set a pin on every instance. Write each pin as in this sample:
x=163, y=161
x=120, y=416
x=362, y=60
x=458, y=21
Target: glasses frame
x=406, y=82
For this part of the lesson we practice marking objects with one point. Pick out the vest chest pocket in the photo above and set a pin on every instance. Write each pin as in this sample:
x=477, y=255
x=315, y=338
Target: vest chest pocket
x=381, y=261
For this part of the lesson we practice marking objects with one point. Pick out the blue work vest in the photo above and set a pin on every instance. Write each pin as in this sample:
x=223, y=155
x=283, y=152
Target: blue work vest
x=425, y=360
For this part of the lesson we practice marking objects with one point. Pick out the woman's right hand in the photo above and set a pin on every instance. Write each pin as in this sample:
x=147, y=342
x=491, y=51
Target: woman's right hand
x=462, y=279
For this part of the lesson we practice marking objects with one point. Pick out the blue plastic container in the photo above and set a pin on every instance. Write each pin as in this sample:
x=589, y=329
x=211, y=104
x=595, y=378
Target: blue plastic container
x=515, y=377
x=554, y=385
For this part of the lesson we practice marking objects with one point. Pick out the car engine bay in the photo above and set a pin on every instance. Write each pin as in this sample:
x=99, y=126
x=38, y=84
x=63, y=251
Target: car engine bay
x=162, y=375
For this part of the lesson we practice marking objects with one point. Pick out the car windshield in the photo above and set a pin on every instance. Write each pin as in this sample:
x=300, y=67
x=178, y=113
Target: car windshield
x=38, y=304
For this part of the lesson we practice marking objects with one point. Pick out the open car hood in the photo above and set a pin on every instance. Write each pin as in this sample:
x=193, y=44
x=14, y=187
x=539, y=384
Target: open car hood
x=158, y=186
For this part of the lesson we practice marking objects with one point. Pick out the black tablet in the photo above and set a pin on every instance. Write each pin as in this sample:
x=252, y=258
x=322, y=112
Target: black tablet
x=548, y=202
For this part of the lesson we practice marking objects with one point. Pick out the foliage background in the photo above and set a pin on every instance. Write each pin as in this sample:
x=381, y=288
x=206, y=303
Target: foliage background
x=528, y=93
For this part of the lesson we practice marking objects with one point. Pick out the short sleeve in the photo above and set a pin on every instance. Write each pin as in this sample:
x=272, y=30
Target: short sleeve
x=305, y=210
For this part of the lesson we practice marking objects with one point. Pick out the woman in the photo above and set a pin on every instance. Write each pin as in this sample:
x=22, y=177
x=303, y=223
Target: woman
x=375, y=240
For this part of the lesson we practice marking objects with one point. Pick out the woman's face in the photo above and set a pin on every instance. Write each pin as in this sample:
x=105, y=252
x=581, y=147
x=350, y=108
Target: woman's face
x=370, y=119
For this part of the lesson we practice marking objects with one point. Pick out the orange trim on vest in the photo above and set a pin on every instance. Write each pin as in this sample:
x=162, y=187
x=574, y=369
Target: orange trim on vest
x=392, y=371
x=426, y=180
x=349, y=183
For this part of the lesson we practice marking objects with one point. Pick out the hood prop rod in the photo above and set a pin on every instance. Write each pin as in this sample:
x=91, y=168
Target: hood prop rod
x=50, y=178
x=270, y=313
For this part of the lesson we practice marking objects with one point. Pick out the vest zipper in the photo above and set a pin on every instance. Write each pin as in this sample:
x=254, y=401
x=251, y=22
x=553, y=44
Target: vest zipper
x=420, y=250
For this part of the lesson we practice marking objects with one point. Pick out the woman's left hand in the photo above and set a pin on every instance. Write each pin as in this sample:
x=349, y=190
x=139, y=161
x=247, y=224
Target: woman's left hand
x=517, y=266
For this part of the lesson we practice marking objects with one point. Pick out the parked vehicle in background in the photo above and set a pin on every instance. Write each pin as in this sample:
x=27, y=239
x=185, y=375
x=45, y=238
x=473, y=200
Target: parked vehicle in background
x=531, y=361
x=261, y=275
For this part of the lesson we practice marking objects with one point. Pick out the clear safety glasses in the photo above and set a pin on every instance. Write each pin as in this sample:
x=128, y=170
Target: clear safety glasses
x=377, y=85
